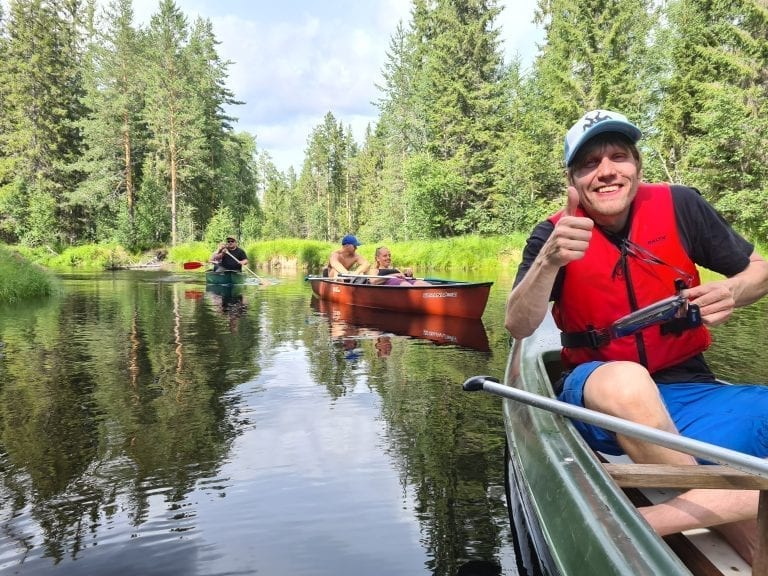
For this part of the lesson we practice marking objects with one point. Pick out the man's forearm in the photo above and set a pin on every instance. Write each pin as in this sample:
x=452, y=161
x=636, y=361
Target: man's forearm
x=338, y=266
x=751, y=284
x=528, y=303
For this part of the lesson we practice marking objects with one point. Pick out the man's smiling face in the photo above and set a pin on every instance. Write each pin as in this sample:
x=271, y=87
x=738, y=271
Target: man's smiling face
x=606, y=174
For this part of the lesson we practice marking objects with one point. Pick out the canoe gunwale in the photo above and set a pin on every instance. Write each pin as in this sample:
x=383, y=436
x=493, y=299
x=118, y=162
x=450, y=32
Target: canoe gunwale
x=224, y=278
x=435, y=283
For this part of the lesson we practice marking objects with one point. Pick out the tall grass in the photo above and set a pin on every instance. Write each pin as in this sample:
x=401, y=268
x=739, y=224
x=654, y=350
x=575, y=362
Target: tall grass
x=483, y=253
x=190, y=252
x=87, y=257
x=463, y=253
x=20, y=279
x=306, y=254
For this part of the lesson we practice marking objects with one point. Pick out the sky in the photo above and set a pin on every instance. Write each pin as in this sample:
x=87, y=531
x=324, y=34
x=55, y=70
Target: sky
x=293, y=61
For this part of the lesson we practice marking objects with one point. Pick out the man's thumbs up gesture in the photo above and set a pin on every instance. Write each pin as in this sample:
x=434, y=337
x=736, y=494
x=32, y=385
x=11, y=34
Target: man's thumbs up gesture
x=570, y=238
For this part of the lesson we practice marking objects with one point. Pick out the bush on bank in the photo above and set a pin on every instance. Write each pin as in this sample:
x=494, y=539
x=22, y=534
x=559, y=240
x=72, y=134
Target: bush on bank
x=86, y=257
x=20, y=279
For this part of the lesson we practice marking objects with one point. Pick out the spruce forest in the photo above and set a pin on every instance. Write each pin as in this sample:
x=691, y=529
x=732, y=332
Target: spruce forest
x=112, y=132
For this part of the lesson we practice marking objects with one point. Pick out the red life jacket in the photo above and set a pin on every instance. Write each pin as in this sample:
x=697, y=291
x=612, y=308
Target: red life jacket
x=610, y=282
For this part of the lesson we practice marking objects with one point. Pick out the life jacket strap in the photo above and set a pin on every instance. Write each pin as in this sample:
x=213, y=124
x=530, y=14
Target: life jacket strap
x=591, y=338
x=594, y=338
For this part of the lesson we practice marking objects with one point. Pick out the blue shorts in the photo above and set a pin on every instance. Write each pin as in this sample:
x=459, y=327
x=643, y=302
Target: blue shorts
x=730, y=416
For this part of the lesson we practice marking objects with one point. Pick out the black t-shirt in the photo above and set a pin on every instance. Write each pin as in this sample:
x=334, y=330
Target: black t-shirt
x=230, y=263
x=707, y=238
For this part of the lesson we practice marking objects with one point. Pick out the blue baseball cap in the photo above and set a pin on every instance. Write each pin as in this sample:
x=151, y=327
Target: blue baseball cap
x=350, y=239
x=594, y=123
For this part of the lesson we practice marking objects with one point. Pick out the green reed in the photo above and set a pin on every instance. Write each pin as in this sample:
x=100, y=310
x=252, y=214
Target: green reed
x=20, y=279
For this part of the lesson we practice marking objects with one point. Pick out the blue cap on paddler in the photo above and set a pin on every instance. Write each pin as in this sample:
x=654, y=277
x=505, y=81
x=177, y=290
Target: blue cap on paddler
x=350, y=239
x=594, y=123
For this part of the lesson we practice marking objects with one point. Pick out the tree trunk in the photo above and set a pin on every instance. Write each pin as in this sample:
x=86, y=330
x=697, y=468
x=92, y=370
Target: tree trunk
x=173, y=194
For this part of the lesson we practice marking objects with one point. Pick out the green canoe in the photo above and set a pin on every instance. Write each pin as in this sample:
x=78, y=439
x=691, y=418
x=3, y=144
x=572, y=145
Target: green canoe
x=225, y=278
x=568, y=515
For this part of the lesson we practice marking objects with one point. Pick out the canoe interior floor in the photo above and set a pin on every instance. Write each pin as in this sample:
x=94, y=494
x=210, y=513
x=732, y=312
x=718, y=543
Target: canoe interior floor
x=704, y=551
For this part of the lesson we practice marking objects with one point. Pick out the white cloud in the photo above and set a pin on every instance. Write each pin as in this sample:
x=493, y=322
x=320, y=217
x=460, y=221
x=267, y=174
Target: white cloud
x=293, y=61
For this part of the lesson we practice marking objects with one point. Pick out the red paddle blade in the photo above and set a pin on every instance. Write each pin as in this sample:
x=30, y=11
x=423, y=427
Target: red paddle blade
x=193, y=265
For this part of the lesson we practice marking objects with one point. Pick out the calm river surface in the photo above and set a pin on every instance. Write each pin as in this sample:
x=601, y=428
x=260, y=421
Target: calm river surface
x=148, y=426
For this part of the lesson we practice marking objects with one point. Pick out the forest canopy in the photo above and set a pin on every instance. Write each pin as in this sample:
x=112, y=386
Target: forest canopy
x=112, y=132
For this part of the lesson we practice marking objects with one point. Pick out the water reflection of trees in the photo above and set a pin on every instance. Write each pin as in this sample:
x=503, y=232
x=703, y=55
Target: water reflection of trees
x=111, y=394
x=448, y=445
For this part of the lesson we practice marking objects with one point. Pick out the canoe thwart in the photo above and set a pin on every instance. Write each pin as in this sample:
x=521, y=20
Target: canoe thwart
x=683, y=477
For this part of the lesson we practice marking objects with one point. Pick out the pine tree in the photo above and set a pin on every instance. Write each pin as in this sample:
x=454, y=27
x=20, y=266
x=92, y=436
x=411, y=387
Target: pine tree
x=113, y=129
x=212, y=185
x=462, y=93
x=42, y=90
x=713, y=124
x=400, y=132
x=323, y=181
x=282, y=211
x=174, y=111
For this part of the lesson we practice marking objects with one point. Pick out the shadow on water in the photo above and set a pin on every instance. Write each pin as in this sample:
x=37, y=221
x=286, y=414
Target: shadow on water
x=479, y=568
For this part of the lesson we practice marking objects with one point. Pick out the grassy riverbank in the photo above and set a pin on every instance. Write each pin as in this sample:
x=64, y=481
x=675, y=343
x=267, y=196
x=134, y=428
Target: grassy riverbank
x=462, y=253
x=20, y=279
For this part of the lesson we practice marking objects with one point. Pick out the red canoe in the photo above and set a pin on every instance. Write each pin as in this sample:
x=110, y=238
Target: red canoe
x=442, y=297
x=359, y=322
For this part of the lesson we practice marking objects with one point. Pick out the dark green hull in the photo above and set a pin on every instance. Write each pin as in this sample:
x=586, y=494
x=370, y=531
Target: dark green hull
x=229, y=294
x=228, y=278
x=569, y=516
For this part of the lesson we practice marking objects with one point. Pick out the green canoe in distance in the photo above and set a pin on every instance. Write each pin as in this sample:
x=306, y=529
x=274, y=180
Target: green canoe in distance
x=224, y=278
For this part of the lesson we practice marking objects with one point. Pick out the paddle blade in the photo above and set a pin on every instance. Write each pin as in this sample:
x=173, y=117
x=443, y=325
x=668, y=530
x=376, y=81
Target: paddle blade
x=193, y=265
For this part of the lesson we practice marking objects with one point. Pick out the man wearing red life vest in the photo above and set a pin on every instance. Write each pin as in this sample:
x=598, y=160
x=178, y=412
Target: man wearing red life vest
x=619, y=245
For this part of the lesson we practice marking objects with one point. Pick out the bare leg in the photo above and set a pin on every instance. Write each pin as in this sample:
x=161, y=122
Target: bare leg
x=626, y=390
x=702, y=507
x=742, y=536
x=732, y=512
x=729, y=512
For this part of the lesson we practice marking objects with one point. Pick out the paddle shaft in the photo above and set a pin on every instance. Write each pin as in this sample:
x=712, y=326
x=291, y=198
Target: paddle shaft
x=738, y=460
x=262, y=280
x=227, y=252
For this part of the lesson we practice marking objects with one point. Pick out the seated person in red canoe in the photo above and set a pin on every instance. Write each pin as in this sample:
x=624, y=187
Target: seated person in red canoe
x=346, y=259
x=391, y=276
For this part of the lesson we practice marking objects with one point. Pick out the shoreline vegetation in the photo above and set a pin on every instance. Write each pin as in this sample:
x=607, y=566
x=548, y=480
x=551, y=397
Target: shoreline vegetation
x=22, y=279
x=460, y=253
x=27, y=273
x=30, y=272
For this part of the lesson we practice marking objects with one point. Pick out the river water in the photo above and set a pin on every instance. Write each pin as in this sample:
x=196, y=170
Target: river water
x=149, y=426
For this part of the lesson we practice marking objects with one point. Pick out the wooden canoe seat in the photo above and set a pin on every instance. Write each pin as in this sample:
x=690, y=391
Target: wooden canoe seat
x=697, y=476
